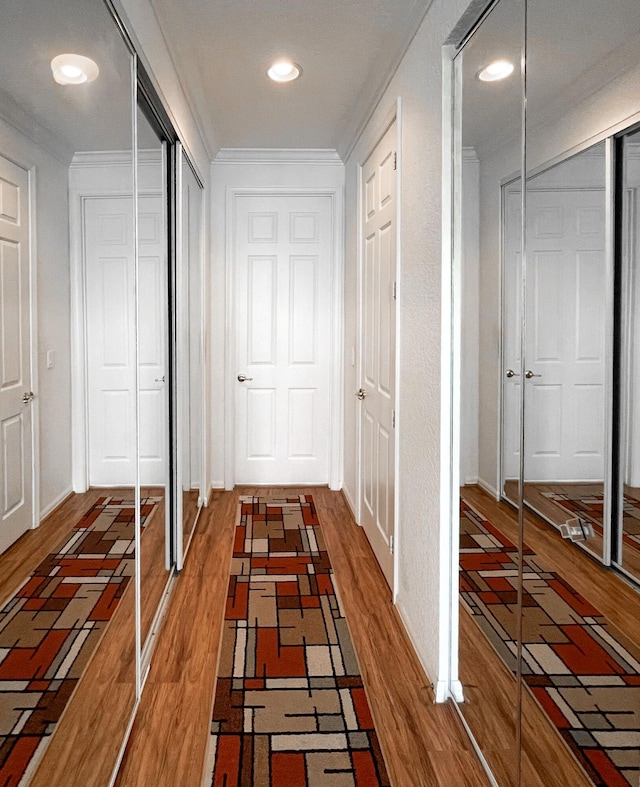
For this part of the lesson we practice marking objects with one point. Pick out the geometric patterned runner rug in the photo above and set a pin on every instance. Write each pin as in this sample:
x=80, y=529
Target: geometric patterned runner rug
x=51, y=626
x=591, y=508
x=290, y=707
x=583, y=672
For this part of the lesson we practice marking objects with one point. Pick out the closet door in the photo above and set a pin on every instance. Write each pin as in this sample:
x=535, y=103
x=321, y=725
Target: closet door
x=68, y=587
x=579, y=648
x=488, y=151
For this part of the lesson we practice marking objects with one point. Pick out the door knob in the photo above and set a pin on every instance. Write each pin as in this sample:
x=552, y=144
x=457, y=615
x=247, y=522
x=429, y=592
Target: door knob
x=529, y=374
x=243, y=378
x=27, y=397
x=511, y=373
x=361, y=393
x=159, y=379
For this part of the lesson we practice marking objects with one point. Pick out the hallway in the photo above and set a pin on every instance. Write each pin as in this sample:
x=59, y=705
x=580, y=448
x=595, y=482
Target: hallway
x=423, y=743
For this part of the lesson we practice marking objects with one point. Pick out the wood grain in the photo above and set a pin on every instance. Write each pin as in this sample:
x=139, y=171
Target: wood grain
x=424, y=743
x=545, y=758
x=87, y=740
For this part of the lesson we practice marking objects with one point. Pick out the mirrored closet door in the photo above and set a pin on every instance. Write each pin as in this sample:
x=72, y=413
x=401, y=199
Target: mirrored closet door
x=100, y=348
x=152, y=259
x=190, y=355
x=68, y=349
x=488, y=148
x=548, y=544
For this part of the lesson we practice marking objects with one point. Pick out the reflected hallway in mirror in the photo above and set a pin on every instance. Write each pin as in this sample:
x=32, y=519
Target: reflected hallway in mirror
x=488, y=114
x=190, y=355
x=67, y=562
x=153, y=330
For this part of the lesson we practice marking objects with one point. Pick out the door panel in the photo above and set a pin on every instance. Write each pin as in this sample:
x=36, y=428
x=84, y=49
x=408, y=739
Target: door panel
x=378, y=308
x=110, y=284
x=565, y=335
x=283, y=333
x=16, y=494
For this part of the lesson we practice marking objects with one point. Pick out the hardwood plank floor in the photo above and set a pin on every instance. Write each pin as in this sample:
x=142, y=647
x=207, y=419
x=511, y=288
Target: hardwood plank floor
x=86, y=742
x=546, y=760
x=424, y=743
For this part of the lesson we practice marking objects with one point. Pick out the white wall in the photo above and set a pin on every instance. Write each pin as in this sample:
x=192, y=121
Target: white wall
x=53, y=386
x=241, y=172
x=423, y=587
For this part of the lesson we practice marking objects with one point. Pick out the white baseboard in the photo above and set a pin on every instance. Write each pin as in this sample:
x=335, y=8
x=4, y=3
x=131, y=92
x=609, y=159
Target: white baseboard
x=349, y=501
x=217, y=485
x=440, y=694
x=488, y=488
x=44, y=512
x=457, y=690
x=469, y=480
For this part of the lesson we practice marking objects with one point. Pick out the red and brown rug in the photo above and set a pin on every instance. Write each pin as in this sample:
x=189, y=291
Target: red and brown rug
x=591, y=507
x=51, y=626
x=584, y=673
x=290, y=708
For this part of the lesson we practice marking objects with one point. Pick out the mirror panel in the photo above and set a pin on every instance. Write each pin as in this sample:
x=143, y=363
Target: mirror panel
x=567, y=394
x=67, y=243
x=489, y=151
x=153, y=369
x=579, y=626
x=190, y=354
x=626, y=550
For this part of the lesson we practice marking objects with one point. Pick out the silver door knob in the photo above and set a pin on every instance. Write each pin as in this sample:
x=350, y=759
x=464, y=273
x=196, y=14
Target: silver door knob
x=243, y=378
x=159, y=379
x=27, y=397
x=529, y=374
x=511, y=373
x=361, y=393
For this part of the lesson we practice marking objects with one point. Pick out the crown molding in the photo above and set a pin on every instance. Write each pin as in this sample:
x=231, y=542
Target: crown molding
x=469, y=154
x=26, y=125
x=113, y=158
x=277, y=156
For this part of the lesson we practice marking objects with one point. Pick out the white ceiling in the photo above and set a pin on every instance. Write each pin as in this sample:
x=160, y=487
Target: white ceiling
x=346, y=48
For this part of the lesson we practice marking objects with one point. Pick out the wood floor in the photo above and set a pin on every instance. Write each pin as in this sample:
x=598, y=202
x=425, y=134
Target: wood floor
x=424, y=744
x=489, y=710
x=87, y=740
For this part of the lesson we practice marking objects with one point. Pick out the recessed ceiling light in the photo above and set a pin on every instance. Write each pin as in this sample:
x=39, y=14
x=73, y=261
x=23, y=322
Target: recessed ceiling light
x=499, y=69
x=72, y=69
x=284, y=71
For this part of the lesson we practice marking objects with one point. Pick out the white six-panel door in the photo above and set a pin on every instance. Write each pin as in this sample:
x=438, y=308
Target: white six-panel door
x=282, y=278
x=565, y=318
x=110, y=311
x=377, y=350
x=16, y=493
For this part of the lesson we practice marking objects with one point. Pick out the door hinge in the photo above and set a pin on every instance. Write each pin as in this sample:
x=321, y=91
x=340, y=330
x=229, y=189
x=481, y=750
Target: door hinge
x=393, y=419
x=391, y=544
x=395, y=290
x=395, y=161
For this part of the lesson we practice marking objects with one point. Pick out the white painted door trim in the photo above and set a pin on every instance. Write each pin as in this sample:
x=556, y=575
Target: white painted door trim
x=394, y=116
x=37, y=515
x=336, y=399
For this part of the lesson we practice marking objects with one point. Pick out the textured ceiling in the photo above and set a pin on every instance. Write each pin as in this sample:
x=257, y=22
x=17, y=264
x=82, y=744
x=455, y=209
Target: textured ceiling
x=346, y=48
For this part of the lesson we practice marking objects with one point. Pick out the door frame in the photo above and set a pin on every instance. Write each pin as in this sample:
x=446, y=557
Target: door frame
x=393, y=116
x=336, y=315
